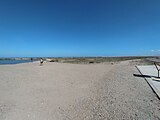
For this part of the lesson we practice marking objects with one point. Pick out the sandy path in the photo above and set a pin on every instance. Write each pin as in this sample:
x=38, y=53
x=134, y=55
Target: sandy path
x=32, y=92
x=58, y=91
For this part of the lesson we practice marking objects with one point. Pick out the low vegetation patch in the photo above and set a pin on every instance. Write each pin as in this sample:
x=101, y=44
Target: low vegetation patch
x=92, y=60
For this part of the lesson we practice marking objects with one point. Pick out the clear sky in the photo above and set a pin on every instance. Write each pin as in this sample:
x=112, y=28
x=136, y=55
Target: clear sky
x=34, y=28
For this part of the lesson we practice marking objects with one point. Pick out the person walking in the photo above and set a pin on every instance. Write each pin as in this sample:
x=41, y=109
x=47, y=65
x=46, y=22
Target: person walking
x=41, y=62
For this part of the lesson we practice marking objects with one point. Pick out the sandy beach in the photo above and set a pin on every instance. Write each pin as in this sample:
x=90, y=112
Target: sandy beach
x=63, y=91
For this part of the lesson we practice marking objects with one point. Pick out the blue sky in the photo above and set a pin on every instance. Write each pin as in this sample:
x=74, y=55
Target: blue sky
x=34, y=28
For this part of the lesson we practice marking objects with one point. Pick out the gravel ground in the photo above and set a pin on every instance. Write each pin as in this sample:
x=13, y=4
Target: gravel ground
x=118, y=95
x=59, y=91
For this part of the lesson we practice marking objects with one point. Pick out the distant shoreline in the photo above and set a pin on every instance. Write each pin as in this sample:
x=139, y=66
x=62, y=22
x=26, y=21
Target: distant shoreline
x=8, y=62
x=28, y=58
x=79, y=60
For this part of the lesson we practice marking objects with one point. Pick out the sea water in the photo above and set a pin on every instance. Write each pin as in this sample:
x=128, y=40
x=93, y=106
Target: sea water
x=3, y=62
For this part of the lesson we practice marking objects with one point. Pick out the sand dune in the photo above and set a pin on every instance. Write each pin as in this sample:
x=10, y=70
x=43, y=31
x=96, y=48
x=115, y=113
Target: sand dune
x=61, y=91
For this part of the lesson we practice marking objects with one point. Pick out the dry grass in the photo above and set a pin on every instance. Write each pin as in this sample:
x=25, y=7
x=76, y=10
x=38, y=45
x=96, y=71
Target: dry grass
x=91, y=60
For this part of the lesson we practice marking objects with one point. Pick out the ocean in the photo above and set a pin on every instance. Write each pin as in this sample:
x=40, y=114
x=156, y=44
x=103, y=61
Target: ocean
x=4, y=62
